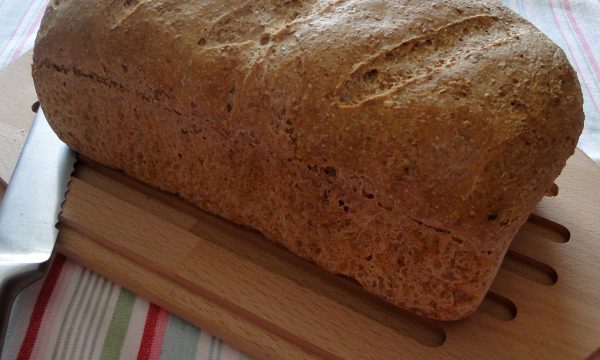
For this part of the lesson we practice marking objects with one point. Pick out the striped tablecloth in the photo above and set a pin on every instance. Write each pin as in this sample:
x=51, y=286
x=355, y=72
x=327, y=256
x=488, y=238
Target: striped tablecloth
x=77, y=314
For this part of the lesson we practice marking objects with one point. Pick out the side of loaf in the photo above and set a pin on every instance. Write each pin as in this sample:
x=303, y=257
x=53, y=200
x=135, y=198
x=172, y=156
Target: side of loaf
x=399, y=143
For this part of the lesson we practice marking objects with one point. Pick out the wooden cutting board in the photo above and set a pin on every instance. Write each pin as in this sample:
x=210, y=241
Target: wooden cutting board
x=544, y=303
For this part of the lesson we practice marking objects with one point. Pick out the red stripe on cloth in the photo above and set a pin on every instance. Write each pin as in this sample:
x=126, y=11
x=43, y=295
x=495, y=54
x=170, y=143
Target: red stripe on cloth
x=148, y=335
x=586, y=46
x=40, y=307
x=159, y=335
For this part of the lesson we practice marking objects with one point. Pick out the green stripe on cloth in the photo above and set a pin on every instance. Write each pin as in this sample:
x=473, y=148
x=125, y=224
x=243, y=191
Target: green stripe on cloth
x=88, y=287
x=118, y=326
x=71, y=309
x=99, y=322
x=180, y=341
x=76, y=330
x=87, y=333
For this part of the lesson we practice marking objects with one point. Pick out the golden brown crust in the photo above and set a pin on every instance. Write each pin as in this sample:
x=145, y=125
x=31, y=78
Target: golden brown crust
x=401, y=144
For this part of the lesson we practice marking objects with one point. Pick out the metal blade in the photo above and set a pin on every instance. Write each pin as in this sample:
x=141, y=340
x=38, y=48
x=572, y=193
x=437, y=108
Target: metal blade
x=33, y=199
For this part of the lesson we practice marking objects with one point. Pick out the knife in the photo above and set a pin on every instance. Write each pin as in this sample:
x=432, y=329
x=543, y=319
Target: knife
x=29, y=212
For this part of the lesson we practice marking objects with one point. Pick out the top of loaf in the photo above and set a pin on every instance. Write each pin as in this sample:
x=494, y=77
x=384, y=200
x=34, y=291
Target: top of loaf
x=368, y=77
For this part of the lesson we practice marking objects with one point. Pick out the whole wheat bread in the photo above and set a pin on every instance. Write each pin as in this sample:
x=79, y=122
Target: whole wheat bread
x=399, y=143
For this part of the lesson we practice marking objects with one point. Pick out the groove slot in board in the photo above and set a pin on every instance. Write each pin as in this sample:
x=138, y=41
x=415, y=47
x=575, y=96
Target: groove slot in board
x=541, y=228
x=498, y=306
x=529, y=268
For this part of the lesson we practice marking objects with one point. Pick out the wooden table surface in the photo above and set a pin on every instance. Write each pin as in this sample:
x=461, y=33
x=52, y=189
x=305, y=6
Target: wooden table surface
x=17, y=94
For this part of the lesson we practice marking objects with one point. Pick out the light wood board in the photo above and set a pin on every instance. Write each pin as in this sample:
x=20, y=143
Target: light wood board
x=12, y=140
x=17, y=94
x=544, y=303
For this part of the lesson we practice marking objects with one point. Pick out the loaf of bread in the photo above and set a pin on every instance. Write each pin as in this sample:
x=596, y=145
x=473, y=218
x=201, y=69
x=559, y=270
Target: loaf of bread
x=399, y=143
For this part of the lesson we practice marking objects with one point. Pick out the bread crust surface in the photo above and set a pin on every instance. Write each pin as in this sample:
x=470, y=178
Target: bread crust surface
x=399, y=143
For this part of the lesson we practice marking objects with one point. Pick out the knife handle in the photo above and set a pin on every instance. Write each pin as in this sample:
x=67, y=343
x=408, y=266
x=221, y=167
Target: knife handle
x=14, y=277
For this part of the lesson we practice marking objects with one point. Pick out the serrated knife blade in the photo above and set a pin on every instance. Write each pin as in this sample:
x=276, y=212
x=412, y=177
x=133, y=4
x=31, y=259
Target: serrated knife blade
x=29, y=212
